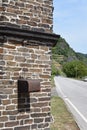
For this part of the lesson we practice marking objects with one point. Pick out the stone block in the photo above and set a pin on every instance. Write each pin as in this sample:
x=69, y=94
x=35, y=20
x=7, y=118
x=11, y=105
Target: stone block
x=11, y=124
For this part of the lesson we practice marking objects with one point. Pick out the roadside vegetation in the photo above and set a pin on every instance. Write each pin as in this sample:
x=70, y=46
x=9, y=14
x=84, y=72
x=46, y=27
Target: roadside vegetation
x=67, y=62
x=63, y=119
x=75, y=69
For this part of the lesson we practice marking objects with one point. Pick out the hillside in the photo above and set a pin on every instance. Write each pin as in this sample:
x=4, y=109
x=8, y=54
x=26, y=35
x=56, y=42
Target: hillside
x=63, y=53
x=82, y=57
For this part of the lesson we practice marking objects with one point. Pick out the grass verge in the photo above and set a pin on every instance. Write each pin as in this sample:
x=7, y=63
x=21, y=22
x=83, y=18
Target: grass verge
x=63, y=119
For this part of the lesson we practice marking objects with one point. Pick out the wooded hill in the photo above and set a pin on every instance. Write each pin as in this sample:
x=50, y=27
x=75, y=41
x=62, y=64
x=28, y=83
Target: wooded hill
x=63, y=53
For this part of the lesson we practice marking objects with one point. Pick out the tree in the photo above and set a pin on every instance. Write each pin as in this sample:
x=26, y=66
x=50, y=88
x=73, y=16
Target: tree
x=75, y=69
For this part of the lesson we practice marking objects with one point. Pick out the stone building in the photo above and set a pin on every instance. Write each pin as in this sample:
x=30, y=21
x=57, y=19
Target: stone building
x=26, y=40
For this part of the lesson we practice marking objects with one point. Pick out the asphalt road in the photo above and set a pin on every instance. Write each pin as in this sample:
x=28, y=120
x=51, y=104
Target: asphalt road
x=74, y=93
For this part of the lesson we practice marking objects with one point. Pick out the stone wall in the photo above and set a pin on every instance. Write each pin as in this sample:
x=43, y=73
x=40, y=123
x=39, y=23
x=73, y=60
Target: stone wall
x=25, y=56
x=28, y=62
x=30, y=14
x=26, y=40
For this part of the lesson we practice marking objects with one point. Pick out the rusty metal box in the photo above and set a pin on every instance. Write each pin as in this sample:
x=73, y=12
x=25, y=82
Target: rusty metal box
x=26, y=86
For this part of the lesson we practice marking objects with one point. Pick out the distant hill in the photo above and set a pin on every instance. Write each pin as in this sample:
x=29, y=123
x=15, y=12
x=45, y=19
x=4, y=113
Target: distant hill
x=63, y=53
x=82, y=57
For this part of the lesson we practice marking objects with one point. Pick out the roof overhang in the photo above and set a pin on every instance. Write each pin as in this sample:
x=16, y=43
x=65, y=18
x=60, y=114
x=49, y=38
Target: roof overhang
x=25, y=35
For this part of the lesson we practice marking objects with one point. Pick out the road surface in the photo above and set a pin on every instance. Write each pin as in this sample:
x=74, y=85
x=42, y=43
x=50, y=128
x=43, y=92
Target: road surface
x=74, y=93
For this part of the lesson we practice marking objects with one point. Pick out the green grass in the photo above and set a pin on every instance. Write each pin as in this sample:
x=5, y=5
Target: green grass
x=63, y=119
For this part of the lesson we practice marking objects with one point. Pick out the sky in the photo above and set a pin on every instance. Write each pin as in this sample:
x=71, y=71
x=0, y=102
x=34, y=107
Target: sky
x=70, y=21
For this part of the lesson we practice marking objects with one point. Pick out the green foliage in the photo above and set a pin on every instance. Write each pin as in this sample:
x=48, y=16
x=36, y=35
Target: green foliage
x=54, y=70
x=82, y=57
x=63, y=53
x=75, y=69
x=63, y=49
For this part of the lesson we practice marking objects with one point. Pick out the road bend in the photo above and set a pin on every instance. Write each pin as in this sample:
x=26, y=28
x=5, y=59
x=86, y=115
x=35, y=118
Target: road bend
x=74, y=93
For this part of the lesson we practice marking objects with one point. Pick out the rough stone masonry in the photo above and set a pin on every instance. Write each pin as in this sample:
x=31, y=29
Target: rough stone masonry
x=26, y=40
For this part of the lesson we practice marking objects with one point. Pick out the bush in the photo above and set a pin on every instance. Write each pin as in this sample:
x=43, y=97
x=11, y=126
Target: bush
x=54, y=70
x=75, y=69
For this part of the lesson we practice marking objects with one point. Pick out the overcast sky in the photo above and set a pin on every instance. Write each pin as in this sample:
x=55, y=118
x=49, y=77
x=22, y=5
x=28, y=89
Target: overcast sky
x=70, y=21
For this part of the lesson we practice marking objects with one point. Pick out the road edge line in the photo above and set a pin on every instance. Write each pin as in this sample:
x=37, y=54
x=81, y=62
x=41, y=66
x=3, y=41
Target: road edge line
x=66, y=99
x=81, y=115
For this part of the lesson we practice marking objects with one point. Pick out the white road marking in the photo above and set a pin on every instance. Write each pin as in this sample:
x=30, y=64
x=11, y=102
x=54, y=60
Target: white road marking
x=76, y=109
x=66, y=99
